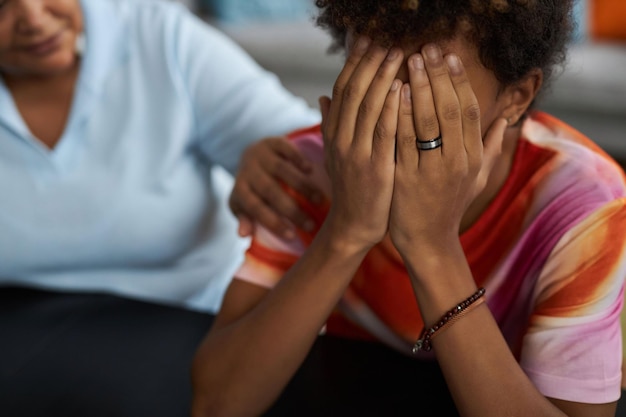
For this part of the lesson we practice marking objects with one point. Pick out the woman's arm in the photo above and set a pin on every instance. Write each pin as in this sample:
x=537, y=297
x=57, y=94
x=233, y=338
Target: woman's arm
x=234, y=101
x=255, y=347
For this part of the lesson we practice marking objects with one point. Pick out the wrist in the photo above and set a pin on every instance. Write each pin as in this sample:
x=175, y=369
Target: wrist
x=341, y=242
x=342, y=239
x=440, y=277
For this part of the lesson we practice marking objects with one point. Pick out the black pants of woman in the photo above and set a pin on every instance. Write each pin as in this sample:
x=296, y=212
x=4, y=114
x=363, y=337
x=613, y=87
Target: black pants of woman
x=71, y=355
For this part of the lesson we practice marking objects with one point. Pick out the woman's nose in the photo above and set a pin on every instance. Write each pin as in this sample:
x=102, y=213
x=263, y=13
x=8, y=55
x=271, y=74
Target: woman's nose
x=31, y=16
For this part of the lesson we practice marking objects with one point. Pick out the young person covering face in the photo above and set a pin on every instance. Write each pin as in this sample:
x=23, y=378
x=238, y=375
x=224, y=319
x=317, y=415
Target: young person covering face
x=508, y=199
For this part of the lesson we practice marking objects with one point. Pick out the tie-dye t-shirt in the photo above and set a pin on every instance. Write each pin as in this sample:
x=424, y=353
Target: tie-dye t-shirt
x=550, y=250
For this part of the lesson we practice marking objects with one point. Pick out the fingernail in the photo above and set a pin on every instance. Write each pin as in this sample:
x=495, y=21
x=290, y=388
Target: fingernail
x=432, y=52
x=417, y=62
x=395, y=85
x=454, y=64
x=309, y=226
x=393, y=54
x=406, y=93
x=289, y=234
x=362, y=44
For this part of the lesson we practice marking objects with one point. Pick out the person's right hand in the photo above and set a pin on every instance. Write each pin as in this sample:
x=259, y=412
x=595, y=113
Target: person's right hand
x=359, y=128
x=258, y=194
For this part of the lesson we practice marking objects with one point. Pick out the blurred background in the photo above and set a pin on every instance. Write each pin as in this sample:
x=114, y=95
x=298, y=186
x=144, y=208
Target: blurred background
x=589, y=94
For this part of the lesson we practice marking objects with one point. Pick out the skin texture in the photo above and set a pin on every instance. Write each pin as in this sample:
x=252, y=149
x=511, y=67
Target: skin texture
x=381, y=101
x=38, y=61
x=38, y=37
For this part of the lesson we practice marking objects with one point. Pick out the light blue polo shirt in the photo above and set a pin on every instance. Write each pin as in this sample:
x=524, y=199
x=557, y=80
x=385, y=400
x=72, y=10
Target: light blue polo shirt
x=132, y=200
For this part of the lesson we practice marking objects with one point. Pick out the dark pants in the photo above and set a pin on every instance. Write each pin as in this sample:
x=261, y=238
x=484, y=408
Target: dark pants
x=87, y=355
x=72, y=355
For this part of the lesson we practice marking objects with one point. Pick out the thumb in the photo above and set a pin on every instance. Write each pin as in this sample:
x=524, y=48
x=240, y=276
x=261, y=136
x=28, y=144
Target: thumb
x=492, y=148
x=492, y=145
x=246, y=227
x=324, y=102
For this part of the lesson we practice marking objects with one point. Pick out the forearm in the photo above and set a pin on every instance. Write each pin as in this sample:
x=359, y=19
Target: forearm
x=252, y=359
x=477, y=363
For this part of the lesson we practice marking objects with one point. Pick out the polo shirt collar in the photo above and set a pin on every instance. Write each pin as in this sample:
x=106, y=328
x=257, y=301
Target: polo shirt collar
x=104, y=41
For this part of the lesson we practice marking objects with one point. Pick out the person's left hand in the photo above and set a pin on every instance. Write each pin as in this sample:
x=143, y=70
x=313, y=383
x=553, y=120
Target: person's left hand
x=433, y=188
x=258, y=194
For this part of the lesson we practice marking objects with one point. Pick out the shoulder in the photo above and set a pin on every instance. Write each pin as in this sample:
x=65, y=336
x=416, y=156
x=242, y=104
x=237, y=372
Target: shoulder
x=575, y=161
x=151, y=22
x=309, y=141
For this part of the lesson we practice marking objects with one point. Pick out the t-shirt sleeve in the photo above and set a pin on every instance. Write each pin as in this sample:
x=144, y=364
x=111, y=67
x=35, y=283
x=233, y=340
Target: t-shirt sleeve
x=235, y=101
x=573, y=347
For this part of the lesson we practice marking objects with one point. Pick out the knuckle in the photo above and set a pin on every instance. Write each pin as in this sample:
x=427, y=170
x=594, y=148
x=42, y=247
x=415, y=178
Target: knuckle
x=472, y=112
x=429, y=123
x=338, y=90
x=351, y=92
x=407, y=138
x=257, y=206
x=279, y=200
x=265, y=186
x=366, y=109
x=372, y=57
x=381, y=131
x=354, y=58
x=451, y=112
x=281, y=166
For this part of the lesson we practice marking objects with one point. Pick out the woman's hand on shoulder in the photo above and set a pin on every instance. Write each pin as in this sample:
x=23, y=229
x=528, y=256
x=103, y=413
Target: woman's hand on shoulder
x=359, y=128
x=258, y=194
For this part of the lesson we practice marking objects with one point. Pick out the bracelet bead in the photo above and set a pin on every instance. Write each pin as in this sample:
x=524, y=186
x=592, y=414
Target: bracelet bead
x=424, y=341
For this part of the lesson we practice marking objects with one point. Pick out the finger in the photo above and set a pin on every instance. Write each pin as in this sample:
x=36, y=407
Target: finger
x=290, y=153
x=492, y=150
x=368, y=124
x=295, y=179
x=354, y=94
x=446, y=101
x=424, y=113
x=276, y=199
x=470, y=111
x=268, y=218
x=354, y=58
x=493, y=143
x=324, y=103
x=406, y=150
x=246, y=227
x=384, y=143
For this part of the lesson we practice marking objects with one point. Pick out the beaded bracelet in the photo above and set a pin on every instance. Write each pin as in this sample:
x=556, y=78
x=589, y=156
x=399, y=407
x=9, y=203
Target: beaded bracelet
x=464, y=307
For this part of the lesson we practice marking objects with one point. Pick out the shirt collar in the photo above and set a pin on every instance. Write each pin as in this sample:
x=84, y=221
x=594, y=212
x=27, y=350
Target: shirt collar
x=104, y=41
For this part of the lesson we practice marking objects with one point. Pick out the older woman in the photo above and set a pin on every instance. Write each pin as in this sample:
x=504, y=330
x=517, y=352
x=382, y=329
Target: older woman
x=116, y=119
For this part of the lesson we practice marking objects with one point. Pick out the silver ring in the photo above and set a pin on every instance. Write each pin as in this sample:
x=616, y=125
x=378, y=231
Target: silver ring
x=427, y=145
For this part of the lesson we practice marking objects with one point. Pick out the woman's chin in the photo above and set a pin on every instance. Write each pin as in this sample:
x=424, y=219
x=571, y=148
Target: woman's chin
x=53, y=66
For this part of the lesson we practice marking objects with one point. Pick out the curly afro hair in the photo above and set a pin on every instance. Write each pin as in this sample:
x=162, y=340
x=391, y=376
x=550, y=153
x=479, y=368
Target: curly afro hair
x=513, y=37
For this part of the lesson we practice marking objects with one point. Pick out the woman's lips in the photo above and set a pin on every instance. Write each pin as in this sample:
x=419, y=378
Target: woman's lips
x=45, y=47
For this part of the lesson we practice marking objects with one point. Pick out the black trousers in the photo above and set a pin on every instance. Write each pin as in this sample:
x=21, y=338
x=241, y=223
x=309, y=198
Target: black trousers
x=91, y=355
x=72, y=355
